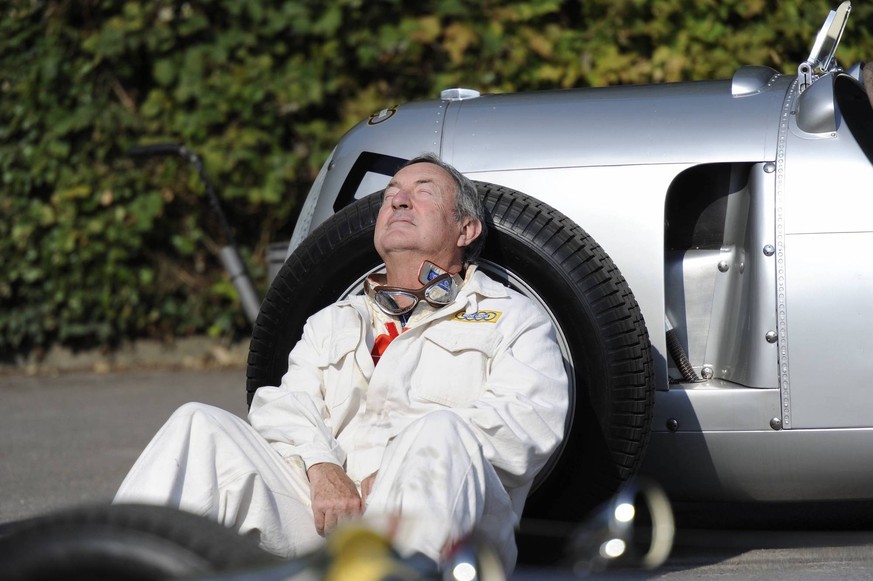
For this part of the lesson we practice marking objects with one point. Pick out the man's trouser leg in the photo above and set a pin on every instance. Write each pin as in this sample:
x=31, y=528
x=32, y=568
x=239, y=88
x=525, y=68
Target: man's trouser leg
x=435, y=475
x=210, y=462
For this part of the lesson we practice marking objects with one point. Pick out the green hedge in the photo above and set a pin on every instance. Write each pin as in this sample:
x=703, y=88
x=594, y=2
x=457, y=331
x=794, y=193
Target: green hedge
x=97, y=248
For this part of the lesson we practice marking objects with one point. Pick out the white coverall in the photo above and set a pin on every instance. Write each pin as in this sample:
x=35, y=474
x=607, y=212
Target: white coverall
x=463, y=409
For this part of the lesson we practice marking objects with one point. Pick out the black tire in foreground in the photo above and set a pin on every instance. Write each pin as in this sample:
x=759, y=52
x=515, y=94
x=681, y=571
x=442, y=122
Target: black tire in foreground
x=131, y=542
x=541, y=253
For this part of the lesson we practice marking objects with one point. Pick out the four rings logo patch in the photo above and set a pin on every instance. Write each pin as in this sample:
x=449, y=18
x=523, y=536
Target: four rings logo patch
x=477, y=317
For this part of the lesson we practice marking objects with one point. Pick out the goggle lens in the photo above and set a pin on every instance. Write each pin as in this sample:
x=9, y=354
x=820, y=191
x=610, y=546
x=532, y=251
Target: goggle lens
x=439, y=292
x=395, y=302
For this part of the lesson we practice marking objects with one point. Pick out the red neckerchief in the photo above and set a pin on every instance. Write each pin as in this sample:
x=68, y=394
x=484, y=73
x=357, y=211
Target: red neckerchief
x=382, y=341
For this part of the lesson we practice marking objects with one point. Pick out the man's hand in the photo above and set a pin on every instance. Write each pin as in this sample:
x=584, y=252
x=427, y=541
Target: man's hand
x=334, y=496
x=367, y=488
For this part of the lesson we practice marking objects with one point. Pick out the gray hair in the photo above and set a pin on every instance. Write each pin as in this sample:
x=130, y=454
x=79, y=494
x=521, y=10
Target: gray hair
x=467, y=202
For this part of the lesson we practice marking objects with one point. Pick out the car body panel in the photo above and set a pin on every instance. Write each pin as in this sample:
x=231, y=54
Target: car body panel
x=768, y=465
x=722, y=301
x=614, y=126
x=829, y=315
x=827, y=219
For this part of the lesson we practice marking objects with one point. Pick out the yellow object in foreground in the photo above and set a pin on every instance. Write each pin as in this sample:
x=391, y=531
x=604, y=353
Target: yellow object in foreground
x=362, y=554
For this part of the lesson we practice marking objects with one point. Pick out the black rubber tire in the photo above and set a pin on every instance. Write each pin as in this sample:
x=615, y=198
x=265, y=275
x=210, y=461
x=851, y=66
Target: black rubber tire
x=589, y=300
x=130, y=542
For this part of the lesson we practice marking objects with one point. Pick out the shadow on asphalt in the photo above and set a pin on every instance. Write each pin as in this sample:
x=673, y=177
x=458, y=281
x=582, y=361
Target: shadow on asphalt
x=724, y=540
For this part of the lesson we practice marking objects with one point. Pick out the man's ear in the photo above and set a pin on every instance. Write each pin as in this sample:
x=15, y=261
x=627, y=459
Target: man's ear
x=471, y=228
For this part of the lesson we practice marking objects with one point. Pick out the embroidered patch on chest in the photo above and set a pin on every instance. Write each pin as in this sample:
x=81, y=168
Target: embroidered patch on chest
x=477, y=317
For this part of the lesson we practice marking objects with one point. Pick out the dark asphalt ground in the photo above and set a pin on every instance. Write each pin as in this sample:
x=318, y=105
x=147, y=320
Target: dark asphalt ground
x=68, y=440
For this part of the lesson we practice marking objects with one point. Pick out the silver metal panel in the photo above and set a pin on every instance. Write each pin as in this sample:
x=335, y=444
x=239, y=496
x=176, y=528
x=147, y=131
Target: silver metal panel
x=827, y=181
x=754, y=359
x=615, y=126
x=715, y=405
x=689, y=290
x=839, y=199
x=830, y=323
x=765, y=465
x=304, y=220
x=752, y=79
x=781, y=318
x=815, y=111
x=722, y=302
x=828, y=279
x=744, y=295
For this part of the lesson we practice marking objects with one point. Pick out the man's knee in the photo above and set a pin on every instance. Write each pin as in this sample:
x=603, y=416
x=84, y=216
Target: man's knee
x=192, y=412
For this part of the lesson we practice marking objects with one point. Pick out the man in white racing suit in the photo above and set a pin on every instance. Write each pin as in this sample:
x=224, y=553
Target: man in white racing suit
x=426, y=405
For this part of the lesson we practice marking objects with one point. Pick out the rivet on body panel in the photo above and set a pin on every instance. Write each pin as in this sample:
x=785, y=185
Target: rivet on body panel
x=776, y=423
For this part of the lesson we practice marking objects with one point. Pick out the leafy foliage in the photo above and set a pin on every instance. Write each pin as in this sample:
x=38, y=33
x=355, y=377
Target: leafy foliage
x=97, y=248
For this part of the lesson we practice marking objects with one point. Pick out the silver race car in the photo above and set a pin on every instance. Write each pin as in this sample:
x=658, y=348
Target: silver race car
x=705, y=250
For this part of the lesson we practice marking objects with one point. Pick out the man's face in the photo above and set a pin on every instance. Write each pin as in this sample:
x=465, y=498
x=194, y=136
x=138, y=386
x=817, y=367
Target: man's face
x=418, y=216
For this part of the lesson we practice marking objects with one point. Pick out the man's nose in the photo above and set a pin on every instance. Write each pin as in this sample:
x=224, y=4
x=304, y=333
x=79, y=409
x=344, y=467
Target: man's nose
x=401, y=199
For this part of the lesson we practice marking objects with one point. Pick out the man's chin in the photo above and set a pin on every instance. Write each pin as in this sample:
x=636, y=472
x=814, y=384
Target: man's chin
x=395, y=241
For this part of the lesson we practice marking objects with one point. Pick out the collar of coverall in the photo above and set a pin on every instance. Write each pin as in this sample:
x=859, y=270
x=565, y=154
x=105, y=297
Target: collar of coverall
x=426, y=273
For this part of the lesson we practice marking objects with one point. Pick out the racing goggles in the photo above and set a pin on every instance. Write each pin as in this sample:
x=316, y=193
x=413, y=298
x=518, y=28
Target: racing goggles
x=395, y=300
